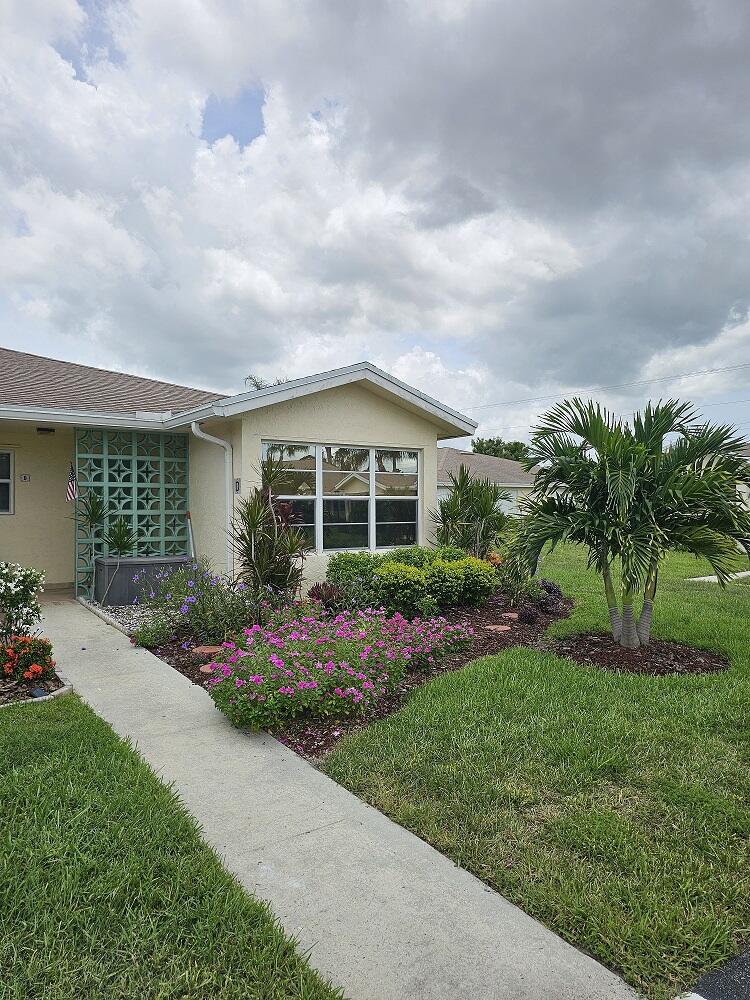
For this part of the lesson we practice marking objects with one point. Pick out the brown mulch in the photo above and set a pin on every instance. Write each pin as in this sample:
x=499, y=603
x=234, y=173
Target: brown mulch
x=659, y=659
x=314, y=738
x=13, y=691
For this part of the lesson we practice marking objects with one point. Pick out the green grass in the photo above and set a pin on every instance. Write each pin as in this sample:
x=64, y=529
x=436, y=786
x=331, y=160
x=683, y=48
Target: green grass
x=106, y=888
x=615, y=808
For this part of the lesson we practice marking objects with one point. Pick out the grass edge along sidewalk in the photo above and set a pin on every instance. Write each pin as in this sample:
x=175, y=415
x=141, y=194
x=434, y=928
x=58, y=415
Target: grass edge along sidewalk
x=613, y=808
x=106, y=888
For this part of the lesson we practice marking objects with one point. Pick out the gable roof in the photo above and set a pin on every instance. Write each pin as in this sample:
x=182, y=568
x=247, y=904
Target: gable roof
x=498, y=470
x=37, y=388
x=32, y=380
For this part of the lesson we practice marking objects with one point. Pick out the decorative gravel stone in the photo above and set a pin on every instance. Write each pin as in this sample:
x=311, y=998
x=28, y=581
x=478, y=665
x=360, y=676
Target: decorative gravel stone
x=498, y=628
x=513, y=615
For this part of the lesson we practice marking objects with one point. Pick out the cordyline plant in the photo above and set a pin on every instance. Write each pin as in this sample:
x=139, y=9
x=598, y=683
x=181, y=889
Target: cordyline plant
x=270, y=548
x=471, y=516
x=630, y=493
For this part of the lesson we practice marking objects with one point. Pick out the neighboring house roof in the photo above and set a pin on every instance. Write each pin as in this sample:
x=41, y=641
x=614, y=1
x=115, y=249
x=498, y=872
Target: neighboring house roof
x=35, y=388
x=31, y=380
x=498, y=470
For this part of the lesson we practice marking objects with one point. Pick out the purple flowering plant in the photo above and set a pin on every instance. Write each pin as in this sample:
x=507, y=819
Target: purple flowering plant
x=192, y=601
x=323, y=665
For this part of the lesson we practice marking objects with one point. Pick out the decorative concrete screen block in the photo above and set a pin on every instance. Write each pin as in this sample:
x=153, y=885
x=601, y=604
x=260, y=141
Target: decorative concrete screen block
x=143, y=477
x=114, y=585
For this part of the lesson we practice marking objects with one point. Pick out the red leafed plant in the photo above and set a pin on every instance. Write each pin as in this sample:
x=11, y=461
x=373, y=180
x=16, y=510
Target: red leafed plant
x=26, y=659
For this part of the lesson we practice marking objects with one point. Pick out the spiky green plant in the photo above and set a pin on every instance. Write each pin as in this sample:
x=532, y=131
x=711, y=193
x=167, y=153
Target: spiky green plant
x=270, y=548
x=471, y=516
x=120, y=538
x=630, y=492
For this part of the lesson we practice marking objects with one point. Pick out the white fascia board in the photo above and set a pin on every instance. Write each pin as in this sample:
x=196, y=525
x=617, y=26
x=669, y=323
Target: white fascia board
x=79, y=418
x=362, y=372
x=495, y=482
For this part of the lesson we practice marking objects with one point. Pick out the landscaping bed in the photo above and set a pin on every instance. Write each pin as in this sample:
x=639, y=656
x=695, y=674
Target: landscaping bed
x=313, y=738
x=659, y=659
x=12, y=691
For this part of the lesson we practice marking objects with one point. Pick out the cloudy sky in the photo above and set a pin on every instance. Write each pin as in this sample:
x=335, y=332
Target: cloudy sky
x=496, y=201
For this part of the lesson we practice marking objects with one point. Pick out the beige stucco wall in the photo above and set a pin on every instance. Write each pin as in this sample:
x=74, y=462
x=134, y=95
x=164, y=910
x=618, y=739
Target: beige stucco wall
x=348, y=415
x=206, y=498
x=40, y=532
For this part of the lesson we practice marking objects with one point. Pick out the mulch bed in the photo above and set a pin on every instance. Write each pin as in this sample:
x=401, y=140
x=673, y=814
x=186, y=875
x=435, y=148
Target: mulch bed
x=12, y=691
x=314, y=738
x=659, y=659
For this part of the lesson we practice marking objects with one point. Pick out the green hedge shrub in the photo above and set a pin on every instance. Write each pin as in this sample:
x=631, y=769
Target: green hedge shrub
x=400, y=587
x=413, y=580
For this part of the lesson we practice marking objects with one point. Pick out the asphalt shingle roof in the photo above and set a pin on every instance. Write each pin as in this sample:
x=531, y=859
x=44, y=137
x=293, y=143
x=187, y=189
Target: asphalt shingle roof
x=31, y=380
x=497, y=470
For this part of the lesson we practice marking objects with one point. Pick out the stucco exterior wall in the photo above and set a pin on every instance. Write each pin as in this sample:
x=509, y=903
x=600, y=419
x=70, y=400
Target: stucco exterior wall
x=348, y=415
x=206, y=498
x=40, y=532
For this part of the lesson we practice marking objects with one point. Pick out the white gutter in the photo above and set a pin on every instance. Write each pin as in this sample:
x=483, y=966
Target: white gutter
x=228, y=487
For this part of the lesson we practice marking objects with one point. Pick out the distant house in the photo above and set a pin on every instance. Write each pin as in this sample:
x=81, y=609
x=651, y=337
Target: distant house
x=359, y=450
x=510, y=475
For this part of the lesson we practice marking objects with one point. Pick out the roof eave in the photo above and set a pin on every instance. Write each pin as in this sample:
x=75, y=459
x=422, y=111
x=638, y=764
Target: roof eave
x=80, y=418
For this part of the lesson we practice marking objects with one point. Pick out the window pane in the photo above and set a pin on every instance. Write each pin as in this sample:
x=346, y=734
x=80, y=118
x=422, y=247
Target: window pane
x=345, y=536
x=395, y=461
x=4, y=465
x=345, y=511
x=304, y=511
x=346, y=484
x=5, y=497
x=346, y=459
x=389, y=511
x=308, y=530
x=390, y=484
x=292, y=455
x=396, y=534
x=295, y=484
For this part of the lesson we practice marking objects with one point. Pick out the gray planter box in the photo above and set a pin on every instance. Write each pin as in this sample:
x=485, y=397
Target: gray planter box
x=118, y=584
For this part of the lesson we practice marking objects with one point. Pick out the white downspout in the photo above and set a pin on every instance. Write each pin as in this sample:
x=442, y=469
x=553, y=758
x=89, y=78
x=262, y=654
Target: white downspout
x=228, y=487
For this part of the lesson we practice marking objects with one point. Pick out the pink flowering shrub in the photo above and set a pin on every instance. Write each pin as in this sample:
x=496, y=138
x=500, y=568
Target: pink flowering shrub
x=323, y=665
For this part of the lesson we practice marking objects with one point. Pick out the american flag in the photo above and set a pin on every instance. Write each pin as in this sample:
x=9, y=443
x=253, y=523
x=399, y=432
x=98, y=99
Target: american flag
x=72, y=491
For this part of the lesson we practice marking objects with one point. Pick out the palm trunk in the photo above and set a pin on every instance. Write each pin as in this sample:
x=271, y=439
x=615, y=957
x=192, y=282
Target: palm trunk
x=629, y=637
x=644, y=622
x=615, y=619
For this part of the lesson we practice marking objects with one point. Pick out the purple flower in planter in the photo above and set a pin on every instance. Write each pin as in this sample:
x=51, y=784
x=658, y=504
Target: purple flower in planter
x=184, y=609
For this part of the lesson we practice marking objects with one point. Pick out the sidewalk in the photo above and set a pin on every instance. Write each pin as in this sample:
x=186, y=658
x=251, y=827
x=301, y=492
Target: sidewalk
x=383, y=915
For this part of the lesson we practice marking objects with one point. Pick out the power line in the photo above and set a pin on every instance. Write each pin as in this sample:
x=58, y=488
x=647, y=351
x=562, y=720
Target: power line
x=602, y=388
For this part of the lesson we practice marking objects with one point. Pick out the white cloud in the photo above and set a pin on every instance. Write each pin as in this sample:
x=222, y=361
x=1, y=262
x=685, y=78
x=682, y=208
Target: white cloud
x=448, y=189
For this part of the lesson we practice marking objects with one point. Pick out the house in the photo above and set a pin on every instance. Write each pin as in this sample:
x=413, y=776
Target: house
x=359, y=449
x=512, y=476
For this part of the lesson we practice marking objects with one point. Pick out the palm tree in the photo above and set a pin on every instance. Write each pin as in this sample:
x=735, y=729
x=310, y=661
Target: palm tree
x=632, y=493
x=471, y=516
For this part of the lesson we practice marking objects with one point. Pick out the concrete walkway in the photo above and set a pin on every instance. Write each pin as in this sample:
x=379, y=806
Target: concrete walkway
x=383, y=915
x=715, y=579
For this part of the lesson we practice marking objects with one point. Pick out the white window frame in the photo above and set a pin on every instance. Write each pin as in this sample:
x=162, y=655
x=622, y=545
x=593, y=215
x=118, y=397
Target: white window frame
x=370, y=497
x=10, y=481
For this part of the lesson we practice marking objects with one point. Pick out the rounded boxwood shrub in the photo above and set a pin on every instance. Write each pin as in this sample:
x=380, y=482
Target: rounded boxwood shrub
x=411, y=555
x=400, y=587
x=479, y=579
x=445, y=582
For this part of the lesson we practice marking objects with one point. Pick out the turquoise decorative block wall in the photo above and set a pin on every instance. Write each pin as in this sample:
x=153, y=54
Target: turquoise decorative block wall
x=143, y=477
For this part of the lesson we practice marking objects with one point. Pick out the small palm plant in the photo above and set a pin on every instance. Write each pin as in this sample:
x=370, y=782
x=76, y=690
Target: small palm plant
x=91, y=512
x=120, y=538
x=630, y=493
x=471, y=517
x=269, y=546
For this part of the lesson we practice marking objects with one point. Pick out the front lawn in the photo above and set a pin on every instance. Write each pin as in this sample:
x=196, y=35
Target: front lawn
x=106, y=888
x=615, y=808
